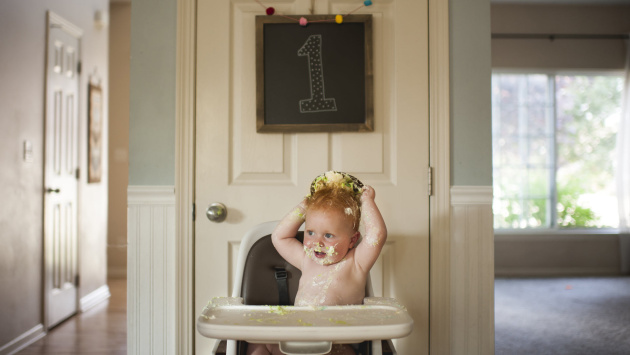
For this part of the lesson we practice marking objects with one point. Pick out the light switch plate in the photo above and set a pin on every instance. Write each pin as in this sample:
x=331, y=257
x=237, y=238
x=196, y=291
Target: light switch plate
x=28, y=151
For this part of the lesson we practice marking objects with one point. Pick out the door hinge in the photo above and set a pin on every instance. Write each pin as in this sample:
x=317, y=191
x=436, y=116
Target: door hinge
x=79, y=67
x=76, y=280
x=77, y=173
x=430, y=181
x=193, y=212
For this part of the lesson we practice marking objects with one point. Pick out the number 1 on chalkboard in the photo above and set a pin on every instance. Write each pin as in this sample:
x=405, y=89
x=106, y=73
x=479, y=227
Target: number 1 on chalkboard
x=318, y=102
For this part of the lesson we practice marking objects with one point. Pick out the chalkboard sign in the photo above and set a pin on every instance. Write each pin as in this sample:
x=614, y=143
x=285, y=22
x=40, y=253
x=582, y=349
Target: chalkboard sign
x=314, y=78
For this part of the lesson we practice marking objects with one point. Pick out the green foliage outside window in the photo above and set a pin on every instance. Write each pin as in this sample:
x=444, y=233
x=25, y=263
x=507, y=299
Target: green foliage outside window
x=580, y=163
x=570, y=212
x=587, y=124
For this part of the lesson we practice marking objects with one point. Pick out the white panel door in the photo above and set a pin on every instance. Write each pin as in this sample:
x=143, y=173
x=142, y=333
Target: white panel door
x=60, y=170
x=260, y=177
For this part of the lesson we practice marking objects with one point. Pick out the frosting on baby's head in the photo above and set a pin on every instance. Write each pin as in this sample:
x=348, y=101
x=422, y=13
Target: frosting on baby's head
x=337, y=179
x=338, y=191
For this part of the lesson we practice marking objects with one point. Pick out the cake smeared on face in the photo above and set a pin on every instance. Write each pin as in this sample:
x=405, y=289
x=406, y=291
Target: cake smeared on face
x=328, y=235
x=323, y=255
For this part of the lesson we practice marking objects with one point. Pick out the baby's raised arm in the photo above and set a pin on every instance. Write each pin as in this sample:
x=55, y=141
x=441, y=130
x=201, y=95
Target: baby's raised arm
x=375, y=231
x=283, y=236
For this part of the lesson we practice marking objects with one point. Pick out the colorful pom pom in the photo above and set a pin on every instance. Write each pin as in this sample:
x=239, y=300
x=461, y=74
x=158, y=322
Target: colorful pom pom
x=270, y=11
x=367, y=2
x=303, y=22
x=339, y=19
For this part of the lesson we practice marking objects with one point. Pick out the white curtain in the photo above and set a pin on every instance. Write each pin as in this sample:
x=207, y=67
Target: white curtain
x=623, y=169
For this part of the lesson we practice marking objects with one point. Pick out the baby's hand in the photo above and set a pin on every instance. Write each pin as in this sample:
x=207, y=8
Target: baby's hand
x=300, y=210
x=368, y=193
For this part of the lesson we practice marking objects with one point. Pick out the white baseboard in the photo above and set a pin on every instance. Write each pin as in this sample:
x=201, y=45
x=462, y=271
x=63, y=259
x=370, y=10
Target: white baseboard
x=95, y=297
x=24, y=340
x=554, y=254
x=555, y=272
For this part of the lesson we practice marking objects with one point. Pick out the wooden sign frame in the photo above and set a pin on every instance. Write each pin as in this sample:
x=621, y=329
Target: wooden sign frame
x=293, y=91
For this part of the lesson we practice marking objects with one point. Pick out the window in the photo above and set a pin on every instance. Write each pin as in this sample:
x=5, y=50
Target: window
x=554, y=150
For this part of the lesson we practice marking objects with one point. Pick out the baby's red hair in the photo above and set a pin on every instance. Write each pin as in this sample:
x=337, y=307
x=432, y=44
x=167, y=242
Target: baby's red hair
x=342, y=200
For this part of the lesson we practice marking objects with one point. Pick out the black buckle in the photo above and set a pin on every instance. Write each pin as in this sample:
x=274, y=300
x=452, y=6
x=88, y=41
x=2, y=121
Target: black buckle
x=283, y=289
x=281, y=274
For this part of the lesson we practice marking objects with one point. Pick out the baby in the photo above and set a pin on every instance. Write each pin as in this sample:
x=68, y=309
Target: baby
x=334, y=267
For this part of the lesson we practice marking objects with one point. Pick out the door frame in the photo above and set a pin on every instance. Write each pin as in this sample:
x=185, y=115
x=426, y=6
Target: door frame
x=440, y=204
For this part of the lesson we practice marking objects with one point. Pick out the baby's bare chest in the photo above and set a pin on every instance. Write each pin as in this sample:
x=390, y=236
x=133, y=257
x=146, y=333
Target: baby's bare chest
x=330, y=285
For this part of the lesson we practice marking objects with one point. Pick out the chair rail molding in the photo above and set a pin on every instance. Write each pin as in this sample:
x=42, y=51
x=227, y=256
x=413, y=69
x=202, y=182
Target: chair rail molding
x=471, y=195
x=151, y=276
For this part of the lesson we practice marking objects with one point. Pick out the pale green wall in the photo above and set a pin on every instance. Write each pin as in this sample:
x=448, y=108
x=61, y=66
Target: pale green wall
x=152, y=92
x=471, y=121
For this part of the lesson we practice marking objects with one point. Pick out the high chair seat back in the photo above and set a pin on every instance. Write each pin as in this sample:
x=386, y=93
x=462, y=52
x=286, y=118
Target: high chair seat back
x=268, y=279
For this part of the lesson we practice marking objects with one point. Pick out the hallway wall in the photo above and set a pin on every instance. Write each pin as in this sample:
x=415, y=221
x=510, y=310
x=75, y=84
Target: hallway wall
x=536, y=54
x=119, y=56
x=22, y=54
x=152, y=81
x=471, y=116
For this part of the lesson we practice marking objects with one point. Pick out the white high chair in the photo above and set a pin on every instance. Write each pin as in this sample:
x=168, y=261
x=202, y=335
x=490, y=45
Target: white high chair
x=263, y=280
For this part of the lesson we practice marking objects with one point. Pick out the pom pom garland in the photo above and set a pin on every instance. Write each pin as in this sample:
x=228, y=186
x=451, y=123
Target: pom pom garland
x=303, y=21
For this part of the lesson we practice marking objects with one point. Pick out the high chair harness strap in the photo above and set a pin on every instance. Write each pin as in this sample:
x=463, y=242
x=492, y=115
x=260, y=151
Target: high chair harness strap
x=283, y=288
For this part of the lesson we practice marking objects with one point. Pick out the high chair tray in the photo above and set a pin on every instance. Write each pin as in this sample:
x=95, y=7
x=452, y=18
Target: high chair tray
x=378, y=318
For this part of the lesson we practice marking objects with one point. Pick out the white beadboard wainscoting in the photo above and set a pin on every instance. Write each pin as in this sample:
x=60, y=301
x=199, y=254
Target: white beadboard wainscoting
x=472, y=265
x=151, y=278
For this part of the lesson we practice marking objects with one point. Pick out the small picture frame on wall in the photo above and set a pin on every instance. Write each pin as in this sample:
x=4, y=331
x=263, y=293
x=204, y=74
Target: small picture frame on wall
x=95, y=133
x=314, y=78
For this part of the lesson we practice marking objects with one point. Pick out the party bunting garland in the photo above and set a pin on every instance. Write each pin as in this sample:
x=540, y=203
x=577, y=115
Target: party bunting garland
x=303, y=22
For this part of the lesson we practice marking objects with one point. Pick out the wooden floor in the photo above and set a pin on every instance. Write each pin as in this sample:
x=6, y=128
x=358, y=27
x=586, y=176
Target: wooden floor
x=100, y=330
